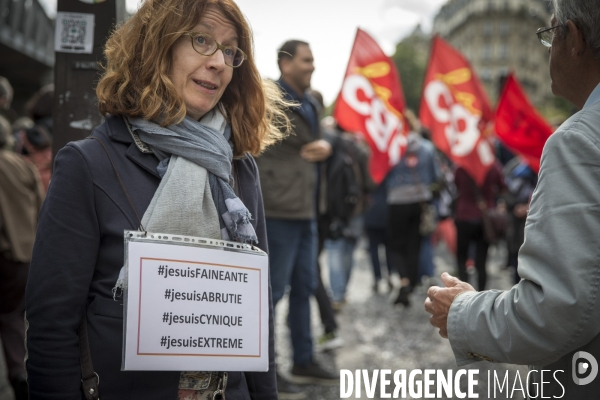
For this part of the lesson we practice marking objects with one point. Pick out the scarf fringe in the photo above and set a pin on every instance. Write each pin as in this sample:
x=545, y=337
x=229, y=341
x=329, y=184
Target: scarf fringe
x=246, y=239
x=241, y=217
x=237, y=223
x=121, y=284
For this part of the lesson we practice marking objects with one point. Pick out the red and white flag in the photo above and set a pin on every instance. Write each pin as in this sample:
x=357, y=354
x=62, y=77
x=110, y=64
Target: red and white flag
x=519, y=125
x=371, y=102
x=456, y=110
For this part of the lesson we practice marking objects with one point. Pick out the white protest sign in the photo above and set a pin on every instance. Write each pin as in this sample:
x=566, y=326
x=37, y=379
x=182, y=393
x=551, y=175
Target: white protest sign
x=74, y=32
x=191, y=308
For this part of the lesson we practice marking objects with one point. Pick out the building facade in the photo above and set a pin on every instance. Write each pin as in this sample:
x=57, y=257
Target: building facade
x=26, y=47
x=498, y=36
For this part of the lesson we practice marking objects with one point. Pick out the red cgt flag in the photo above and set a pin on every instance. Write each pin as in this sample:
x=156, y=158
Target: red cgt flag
x=455, y=108
x=519, y=125
x=371, y=102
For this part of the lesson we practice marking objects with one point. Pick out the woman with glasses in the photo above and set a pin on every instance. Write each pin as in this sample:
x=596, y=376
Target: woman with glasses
x=185, y=109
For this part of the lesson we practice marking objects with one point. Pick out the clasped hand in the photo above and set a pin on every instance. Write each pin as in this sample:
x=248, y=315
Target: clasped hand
x=318, y=150
x=440, y=299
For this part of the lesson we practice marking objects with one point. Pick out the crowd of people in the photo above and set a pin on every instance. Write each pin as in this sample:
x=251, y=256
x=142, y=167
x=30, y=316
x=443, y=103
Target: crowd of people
x=212, y=123
x=25, y=165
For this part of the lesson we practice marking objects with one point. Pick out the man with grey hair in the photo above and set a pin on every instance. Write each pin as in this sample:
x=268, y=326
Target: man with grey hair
x=549, y=320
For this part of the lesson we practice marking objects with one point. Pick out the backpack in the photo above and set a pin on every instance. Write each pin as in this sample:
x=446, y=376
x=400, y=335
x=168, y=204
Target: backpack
x=344, y=189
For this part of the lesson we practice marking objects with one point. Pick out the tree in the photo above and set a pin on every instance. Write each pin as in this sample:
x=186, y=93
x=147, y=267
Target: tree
x=411, y=60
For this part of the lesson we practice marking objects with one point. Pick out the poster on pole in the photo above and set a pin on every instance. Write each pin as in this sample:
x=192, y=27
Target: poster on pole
x=195, y=304
x=74, y=32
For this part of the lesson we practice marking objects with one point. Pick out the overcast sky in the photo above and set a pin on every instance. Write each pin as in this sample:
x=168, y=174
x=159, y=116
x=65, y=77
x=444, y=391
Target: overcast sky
x=328, y=25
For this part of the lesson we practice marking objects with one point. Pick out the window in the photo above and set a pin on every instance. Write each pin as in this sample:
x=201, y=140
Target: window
x=487, y=51
x=503, y=50
x=487, y=29
x=486, y=75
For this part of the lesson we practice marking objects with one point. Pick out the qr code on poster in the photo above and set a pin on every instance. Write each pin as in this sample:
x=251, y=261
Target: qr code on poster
x=73, y=32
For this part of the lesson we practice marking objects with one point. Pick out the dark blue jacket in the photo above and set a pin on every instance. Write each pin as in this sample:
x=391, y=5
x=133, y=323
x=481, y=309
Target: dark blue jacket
x=77, y=257
x=376, y=216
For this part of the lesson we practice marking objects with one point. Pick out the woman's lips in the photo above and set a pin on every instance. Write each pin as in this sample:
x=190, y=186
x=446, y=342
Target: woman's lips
x=206, y=84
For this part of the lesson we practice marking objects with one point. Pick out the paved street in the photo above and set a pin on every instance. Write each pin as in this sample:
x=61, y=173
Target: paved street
x=379, y=335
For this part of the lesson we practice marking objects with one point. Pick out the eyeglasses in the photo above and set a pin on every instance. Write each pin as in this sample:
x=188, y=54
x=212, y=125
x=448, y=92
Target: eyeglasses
x=545, y=35
x=206, y=45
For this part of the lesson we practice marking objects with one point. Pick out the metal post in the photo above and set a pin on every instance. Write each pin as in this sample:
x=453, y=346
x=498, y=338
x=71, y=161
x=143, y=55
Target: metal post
x=76, y=74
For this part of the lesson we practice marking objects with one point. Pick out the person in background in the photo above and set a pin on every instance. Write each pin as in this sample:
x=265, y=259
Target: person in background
x=33, y=134
x=503, y=153
x=35, y=144
x=376, y=227
x=426, y=265
x=521, y=181
x=41, y=106
x=330, y=339
x=6, y=97
x=348, y=183
x=409, y=188
x=20, y=124
x=468, y=218
x=21, y=196
x=185, y=108
x=549, y=320
x=290, y=174
x=446, y=229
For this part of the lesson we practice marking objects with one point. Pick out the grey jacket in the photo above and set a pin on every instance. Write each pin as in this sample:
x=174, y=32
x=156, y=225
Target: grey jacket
x=554, y=311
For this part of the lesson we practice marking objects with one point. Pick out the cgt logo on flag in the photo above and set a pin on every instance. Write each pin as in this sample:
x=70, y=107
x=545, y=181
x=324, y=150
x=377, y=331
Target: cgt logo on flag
x=383, y=123
x=581, y=363
x=455, y=109
x=461, y=118
x=371, y=102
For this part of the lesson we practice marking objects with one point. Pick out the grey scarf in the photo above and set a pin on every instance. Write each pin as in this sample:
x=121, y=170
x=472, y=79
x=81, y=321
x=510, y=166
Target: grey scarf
x=196, y=145
x=195, y=197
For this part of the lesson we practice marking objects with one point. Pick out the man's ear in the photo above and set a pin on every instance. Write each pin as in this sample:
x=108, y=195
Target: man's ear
x=576, y=39
x=284, y=65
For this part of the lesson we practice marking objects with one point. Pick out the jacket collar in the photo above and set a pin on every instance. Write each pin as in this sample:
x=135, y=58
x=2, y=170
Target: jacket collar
x=138, y=151
x=117, y=130
x=290, y=95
